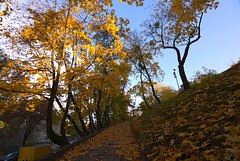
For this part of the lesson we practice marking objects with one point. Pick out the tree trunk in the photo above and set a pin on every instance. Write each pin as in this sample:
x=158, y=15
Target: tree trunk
x=84, y=128
x=151, y=83
x=183, y=76
x=181, y=63
x=92, y=127
x=113, y=116
x=63, y=131
x=143, y=96
x=98, y=112
x=106, y=113
x=106, y=116
x=80, y=133
x=57, y=139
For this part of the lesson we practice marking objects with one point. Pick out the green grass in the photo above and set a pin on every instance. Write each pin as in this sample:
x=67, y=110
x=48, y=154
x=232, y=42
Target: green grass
x=202, y=123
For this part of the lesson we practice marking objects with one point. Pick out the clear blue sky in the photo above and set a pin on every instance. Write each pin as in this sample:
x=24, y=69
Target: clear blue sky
x=217, y=48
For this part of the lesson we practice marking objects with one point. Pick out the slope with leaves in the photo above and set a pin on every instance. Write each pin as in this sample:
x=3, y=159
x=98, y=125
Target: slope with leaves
x=200, y=124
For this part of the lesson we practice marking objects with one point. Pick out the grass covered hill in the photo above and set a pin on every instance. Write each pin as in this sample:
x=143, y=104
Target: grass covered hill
x=202, y=123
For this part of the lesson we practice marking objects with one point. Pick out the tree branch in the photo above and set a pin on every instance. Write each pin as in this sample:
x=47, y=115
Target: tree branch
x=193, y=41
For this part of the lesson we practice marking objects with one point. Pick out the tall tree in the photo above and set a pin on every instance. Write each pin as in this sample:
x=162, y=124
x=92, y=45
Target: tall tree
x=176, y=24
x=142, y=58
x=59, y=56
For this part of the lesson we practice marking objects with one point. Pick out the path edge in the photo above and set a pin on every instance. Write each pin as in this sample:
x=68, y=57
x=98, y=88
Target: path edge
x=144, y=156
x=59, y=153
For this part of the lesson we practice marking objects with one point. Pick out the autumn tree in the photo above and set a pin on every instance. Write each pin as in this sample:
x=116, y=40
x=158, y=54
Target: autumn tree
x=5, y=10
x=176, y=25
x=59, y=60
x=142, y=58
x=163, y=92
x=93, y=92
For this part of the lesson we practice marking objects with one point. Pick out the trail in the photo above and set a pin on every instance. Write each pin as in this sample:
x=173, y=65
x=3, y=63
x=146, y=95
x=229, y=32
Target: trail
x=116, y=143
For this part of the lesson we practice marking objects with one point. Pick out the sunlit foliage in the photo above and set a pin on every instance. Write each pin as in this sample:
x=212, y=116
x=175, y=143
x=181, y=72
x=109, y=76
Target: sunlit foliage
x=68, y=53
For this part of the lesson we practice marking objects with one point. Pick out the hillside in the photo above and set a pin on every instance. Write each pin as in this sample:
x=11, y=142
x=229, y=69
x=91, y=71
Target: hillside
x=202, y=123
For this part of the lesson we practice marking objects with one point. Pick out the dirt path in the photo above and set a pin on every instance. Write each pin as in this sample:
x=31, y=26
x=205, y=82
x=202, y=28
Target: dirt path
x=117, y=143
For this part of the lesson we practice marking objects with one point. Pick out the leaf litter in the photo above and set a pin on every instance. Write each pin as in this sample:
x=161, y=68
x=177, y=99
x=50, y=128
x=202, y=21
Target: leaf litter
x=120, y=136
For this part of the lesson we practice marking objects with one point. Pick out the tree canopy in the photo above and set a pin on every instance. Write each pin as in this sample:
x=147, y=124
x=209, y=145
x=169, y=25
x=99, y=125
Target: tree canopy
x=78, y=56
x=69, y=52
x=176, y=25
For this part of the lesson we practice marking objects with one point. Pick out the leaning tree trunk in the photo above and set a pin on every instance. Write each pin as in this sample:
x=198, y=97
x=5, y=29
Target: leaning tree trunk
x=57, y=139
x=143, y=96
x=181, y=66
x=78, y=111
x=63, y=131
x=79, y=132
x=183, y=76
x=151, y=84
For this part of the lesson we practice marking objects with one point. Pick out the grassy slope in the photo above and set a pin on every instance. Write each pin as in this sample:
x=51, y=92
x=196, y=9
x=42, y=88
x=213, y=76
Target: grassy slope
x=203, y=123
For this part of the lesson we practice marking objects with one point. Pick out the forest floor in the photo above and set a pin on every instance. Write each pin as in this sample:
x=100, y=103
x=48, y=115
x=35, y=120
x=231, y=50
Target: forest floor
x=116, y=143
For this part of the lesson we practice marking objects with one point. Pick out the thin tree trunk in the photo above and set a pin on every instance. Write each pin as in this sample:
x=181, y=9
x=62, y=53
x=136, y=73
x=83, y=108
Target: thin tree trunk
x=106, y=112
x=150, y=81
x=181, y=62
x=92, y=128
x=63, y=131
x=84, y=128
x=79, y=132
x=98, y=112
x=143, y=96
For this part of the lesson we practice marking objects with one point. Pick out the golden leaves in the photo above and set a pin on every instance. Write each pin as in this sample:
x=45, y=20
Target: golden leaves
x=2, y=124
x=66, y=33
x=202, y=123
x=120, y=135
x=130, y=2
x=30, y=107
x=179, y=20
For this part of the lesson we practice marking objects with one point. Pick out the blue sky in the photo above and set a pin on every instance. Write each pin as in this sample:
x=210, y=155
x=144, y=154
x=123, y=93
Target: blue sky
x=218, y=47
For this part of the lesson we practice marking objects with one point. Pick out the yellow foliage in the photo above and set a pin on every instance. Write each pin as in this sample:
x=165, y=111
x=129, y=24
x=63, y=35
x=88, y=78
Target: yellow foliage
x=30, y=108
x=2, y=124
